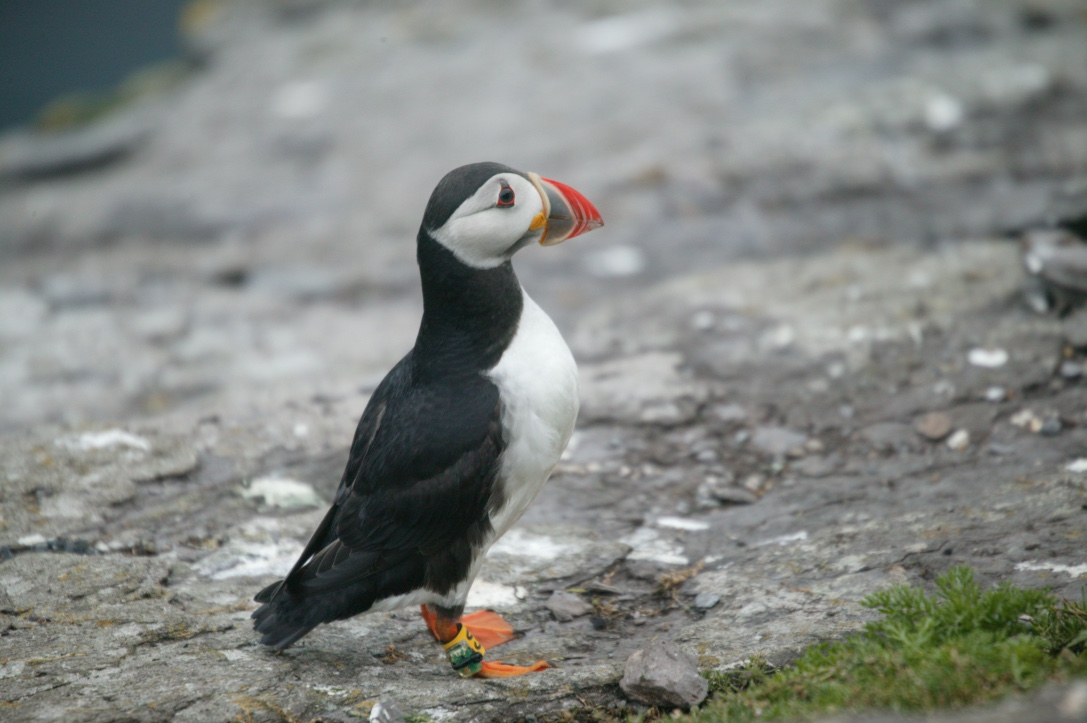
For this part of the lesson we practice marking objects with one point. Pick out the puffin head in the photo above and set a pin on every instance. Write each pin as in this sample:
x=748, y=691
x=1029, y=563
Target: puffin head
x=485, y=212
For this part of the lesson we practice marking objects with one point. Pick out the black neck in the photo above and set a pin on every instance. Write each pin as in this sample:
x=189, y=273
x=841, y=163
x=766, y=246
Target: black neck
x=469, y=315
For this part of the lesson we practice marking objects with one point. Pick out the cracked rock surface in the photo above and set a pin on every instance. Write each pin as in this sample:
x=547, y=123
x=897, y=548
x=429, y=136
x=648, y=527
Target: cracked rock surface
x=807, y=368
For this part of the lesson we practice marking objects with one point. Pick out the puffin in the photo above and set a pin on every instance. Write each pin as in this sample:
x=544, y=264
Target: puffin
x=458, y=438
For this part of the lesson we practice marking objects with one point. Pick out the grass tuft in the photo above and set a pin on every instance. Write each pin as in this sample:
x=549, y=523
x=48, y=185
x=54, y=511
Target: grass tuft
x=957, y=647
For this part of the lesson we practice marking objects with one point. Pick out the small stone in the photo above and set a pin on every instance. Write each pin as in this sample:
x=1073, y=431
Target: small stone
x=933, y=426
x=283, y=492
x=715, y=491
x=722, y=489
x=706, y=600
x=1074, y=702
x=566, y=606
x=995, y=394
x=1070, y=369
x=959, y=441
x=777, y=440
x=1051, y=427
x=816, y=466
x=987, y=358
x=703, y=320
x=387, y=711
x=1023, y=418
x=730, y=413
x=664, y=676
x=943, y=112
x=1077, y=466
x=889, y=436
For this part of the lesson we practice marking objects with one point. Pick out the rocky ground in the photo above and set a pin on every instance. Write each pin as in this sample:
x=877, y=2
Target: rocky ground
x=808, y=370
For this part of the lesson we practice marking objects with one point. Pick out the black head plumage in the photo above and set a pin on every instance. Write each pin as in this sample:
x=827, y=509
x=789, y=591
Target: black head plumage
x=455, y=187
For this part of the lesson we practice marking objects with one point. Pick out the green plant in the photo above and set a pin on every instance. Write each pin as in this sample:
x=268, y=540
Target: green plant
x=956, y=647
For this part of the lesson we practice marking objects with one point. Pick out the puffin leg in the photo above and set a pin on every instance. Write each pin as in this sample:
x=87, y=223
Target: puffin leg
x=488, y=627
x=493, y=630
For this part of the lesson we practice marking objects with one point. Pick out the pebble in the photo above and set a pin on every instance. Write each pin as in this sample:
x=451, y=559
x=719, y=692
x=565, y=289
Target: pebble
x=995, y=394
x=716, y=491
x=706, y=600
x=387, y=711
x=933, y=426
x=664, y=676
x=943, y=112
x=730, y=412
x=1051, y=427
x=1078, y=466
x=777, y=440
x=1025, y=418
x=283, y=492
x=988, y=358
x=566, y=606
x=703, y=320
x=959, y=441
x=817, y=466
x=1070, y=369
x=1074, y=703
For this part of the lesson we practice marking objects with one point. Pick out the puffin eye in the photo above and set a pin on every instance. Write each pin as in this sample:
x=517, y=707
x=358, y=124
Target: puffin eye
x=505, y=196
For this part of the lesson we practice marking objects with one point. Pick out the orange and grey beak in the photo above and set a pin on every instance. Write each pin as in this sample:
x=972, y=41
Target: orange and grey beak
x=566, y=213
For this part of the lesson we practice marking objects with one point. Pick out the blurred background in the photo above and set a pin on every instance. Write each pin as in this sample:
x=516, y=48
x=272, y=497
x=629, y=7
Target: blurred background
x=209, y=207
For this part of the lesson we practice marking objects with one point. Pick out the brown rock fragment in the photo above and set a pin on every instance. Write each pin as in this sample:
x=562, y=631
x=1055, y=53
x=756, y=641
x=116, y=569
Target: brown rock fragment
x=933, y=426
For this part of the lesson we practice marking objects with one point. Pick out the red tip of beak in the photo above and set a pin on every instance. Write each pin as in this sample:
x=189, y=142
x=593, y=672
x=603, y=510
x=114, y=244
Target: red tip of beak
x=582, y=214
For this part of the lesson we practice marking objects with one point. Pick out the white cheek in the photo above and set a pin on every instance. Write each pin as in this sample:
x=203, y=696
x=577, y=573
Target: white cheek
x=484, y=239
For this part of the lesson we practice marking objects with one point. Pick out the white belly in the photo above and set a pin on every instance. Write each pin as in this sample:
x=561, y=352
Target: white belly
x=537, y=382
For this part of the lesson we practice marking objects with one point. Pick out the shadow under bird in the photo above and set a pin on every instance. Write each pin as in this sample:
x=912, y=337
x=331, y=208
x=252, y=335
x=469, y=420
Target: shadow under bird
x=459, y=437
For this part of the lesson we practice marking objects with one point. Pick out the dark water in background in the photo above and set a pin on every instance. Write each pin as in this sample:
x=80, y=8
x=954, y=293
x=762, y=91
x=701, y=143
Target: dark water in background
x=50, y=48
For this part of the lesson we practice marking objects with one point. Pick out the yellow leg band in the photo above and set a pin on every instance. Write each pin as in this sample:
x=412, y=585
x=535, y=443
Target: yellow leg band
x=465, y=652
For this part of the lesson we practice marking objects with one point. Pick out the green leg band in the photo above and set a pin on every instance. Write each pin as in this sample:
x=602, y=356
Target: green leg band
x=465, y=653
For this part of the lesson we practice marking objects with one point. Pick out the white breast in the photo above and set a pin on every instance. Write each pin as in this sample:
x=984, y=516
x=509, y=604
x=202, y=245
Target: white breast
x=537, y=383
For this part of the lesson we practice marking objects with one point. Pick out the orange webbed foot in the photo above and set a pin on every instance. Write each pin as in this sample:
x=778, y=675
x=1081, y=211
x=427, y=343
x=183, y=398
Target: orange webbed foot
x=504, y=670
x=489, y=628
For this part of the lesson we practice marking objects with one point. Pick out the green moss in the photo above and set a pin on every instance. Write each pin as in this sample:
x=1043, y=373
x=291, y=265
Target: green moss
x=957, y=647
x=80, y=109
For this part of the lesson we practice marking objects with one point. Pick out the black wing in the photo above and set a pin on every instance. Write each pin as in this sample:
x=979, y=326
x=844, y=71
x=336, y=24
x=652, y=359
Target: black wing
x=412, y=503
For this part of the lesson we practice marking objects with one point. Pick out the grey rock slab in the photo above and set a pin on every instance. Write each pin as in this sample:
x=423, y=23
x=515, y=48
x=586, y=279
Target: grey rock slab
x=550, y=553
x=29, y=155
x=664, y=676
x=68, y=483
x=647, y=388
x=566, y=606
x=706, y=600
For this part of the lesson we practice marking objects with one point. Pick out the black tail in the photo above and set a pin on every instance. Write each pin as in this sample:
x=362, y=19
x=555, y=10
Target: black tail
x=289, y=612
x=281, y=623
